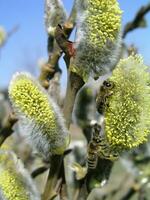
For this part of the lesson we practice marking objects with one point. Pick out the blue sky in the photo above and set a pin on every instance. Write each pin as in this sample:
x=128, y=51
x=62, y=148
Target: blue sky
x=29, y=42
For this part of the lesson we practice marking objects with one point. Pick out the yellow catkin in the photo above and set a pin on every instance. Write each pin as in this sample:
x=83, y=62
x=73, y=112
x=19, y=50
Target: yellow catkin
x=127, y=118
x=32, y=102
x=98, y=38
x=15, y=181
x=12, y=186
x=104, y=21
x=45, y=123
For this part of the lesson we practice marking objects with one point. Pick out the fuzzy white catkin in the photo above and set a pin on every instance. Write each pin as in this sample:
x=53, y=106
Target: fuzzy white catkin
x=98, y=38
x=15, y=180
x=39, y=116
x=55, y=14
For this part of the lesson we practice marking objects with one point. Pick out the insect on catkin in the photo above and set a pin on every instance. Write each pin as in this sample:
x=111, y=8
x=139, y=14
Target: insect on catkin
x=39, y=115
x=127, y=118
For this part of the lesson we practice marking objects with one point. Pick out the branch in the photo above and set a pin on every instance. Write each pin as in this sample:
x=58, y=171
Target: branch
x=7, y=130
x=134, y=189
x=74, y=84
x=9, y=34
x=139, y=17
x=71, y=22
x=55, y=52
x=56, y=177
x=51, y=188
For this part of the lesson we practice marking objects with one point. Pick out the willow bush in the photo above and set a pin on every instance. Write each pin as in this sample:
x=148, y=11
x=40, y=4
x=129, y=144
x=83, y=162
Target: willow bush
x=107, y=96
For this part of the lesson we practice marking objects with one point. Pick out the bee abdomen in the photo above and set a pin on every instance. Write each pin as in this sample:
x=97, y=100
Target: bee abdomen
x=92, y=161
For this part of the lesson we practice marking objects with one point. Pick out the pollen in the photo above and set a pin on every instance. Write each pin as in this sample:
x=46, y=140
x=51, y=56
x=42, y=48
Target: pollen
x=15, y=181
x=33, y=102
x=103, y=21
x=39, y=114
x=127, y=118
x=12, y=186
x=98, y=38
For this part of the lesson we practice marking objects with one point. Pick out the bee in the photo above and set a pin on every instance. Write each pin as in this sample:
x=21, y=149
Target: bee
x=104, y=93
x=99, y=148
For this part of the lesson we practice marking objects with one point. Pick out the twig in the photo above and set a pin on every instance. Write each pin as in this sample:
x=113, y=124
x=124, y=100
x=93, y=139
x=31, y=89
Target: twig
x=136, y=21
x=71, y=22
x=50, y=188
x=144, y=160
x=51, y=67
x=74, y=84
x=57, y=169
x=7, y=130
x=131, y=192
x=10, y=33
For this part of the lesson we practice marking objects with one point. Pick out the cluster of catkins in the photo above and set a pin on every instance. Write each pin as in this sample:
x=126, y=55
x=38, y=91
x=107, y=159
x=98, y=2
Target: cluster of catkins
x=97, y=44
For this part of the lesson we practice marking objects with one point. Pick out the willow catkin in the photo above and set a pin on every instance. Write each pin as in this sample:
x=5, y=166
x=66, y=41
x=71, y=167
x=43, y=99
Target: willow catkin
x=15, y=181
x=55, y=14
x=127, y=118
x=98, y=38
x=39, y=115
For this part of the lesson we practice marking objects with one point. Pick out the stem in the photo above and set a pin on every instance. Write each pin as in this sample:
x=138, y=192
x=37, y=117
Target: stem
x=136, y=21
x=50, y=188
x=74, y=84
x=49, y=69
x=7, y=130
x=2, y=139
x=70, y=23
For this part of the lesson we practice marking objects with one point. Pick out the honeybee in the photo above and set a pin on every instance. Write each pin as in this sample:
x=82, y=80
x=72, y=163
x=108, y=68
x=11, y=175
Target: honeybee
x=104, y=93
x=99, y=148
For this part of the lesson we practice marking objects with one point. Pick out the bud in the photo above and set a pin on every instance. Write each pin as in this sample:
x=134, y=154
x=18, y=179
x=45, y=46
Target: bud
x=39, y=115
x=54, y=14
x=2, y=36
x=127, y=116
x=98, y=38
x=15, y=181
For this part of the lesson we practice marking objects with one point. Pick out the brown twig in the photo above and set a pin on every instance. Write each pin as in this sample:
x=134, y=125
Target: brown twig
x=49, y=69
x=75, y=82
x=135, y=23
x=7, y=130
x=56, y=172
